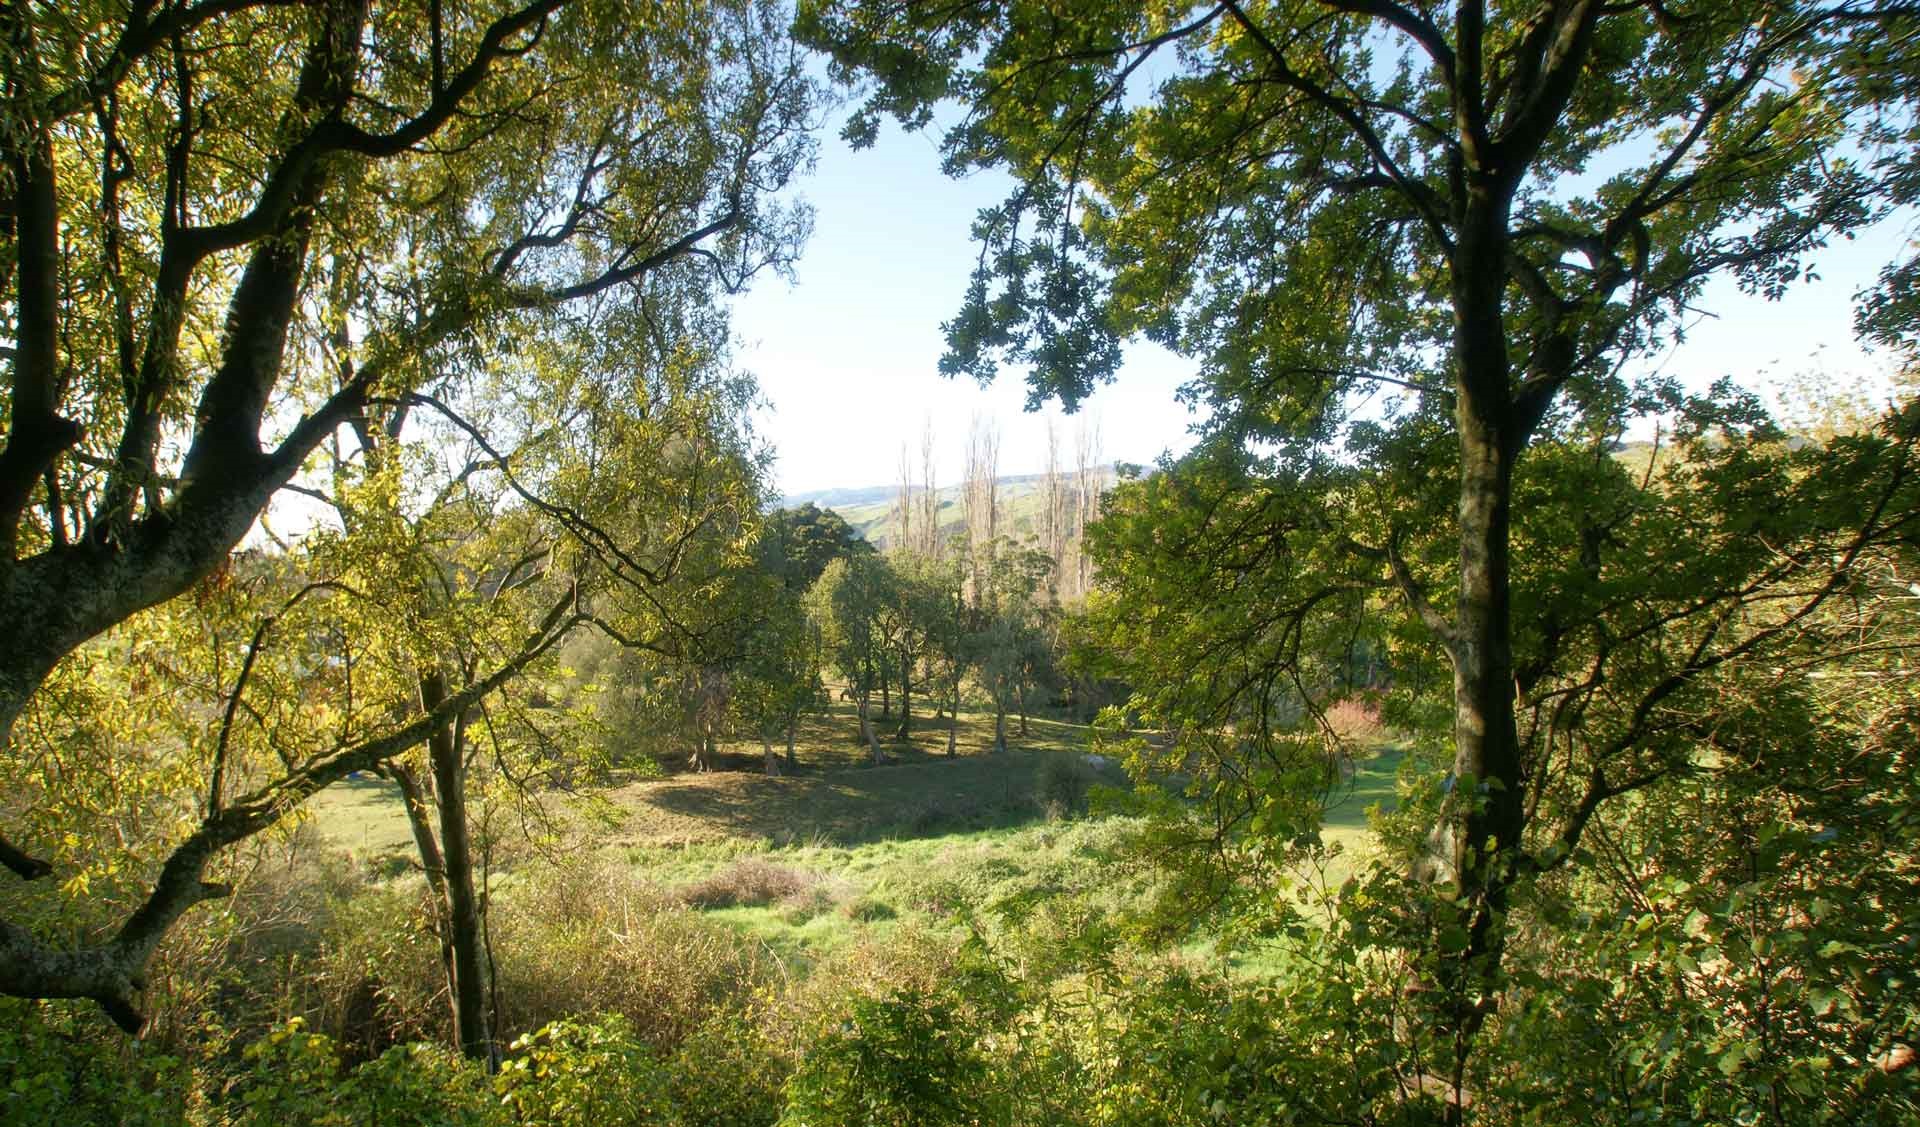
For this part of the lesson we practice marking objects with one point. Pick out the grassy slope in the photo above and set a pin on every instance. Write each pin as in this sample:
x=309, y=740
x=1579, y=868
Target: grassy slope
x=857, y=850
x=837, y=795
x=1021, y=501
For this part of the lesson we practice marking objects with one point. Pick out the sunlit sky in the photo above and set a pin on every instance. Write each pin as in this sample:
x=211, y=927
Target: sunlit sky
x=847, y=355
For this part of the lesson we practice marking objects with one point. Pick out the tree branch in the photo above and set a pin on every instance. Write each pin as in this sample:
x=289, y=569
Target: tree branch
x=1419, y=195
x=23, y=866
x=113, y=973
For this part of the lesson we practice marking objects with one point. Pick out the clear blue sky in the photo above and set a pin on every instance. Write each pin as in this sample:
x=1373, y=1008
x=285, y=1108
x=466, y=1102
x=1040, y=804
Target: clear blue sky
x=847, y=355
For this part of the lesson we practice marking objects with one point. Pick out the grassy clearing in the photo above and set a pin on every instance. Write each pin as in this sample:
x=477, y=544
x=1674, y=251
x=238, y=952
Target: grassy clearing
x=1370, y=783
x=822, y=898
x=840, y=852
x=836, y=795
x=363, y=815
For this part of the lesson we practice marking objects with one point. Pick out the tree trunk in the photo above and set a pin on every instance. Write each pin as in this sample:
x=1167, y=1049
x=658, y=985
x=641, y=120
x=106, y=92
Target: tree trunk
x=792, y=723
x=773, y=764
x=953, y=714
x=446, y=746
x=1022, y=701
x=862, y=702
x=1485, y=811
x=1000, y=721
x=905, y=731
x=420, y=821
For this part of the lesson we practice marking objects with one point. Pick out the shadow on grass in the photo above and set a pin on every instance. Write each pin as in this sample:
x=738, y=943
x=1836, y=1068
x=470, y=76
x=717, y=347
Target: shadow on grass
x=838, y=796
x=920, y=796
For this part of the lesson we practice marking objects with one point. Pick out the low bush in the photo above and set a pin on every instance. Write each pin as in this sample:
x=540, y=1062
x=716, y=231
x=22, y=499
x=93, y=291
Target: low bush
x=591, y=937
x=1061, y=785
x=907, y=1060
x=296, y=1076
x=61, y=1064
x=730, y=1072
x=749, y=882
x=584, y=1072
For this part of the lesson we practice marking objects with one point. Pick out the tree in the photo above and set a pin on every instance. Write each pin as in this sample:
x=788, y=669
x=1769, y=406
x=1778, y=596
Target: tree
x=980, y=506
x=709, y=596
x=915, y=621
x=780, y=677
x=800, y=543
x=635, y=446
x=939, y=600
x=932, y=542
x=1008, y=630
x=1327, y=201
x=182, y=183
x=848, y=605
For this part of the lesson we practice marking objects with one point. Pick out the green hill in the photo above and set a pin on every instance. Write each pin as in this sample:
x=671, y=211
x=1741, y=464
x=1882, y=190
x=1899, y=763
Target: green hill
x=871, y=510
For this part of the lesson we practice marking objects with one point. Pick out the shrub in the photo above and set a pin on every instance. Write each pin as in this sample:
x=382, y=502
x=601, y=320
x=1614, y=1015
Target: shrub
x=417, y=1085
x=587, y=1072
x=378, y=980
x=591, y=937
x=1061, y=784
x=867, y=909
x=65, y=1069
x=749, y=882
x=729, y=1073
x=907, y=1060
x=295, y=1076
x=1356, y=719
x=817, y=899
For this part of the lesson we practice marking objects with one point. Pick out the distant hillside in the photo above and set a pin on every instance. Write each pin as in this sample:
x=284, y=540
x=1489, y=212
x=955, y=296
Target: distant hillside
x=845, y=497
x=838, y=498
x=869, y=509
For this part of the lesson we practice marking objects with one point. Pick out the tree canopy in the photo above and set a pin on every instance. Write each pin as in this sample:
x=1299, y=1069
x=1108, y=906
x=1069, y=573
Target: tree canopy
x=233, y=229
x=1417, y=252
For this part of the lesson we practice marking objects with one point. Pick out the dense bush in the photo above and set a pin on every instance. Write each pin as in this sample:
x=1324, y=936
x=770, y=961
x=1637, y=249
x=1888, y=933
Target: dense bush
x=749, y=881
x=59, y=1066
x=1061, y=785
x=584, y=1073
x=297, y=1077
x=592, y=937
x=906, y=1060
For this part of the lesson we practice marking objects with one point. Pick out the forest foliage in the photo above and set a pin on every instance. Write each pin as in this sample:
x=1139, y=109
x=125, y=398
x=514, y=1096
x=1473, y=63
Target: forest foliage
x=371, y=414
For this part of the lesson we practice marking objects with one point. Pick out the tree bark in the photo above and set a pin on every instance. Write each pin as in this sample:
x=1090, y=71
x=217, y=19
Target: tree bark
x=420, y=821
x=953, y=714
x=447, y=749
x=866, y=727
x=1485, y=810
x=905, y=731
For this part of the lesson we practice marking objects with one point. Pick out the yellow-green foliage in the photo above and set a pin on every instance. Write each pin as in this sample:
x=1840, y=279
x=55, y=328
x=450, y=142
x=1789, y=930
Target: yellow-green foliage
x=907, y=1060
x=62, y=1067
x=296, y=1076
x=584, y=1073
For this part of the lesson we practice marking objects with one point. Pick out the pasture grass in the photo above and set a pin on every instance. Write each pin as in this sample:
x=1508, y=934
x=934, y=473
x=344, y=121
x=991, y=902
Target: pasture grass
x=841, y=852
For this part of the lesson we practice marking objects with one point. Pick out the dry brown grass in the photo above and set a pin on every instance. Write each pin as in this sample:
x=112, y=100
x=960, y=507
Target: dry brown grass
x=750, y=882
